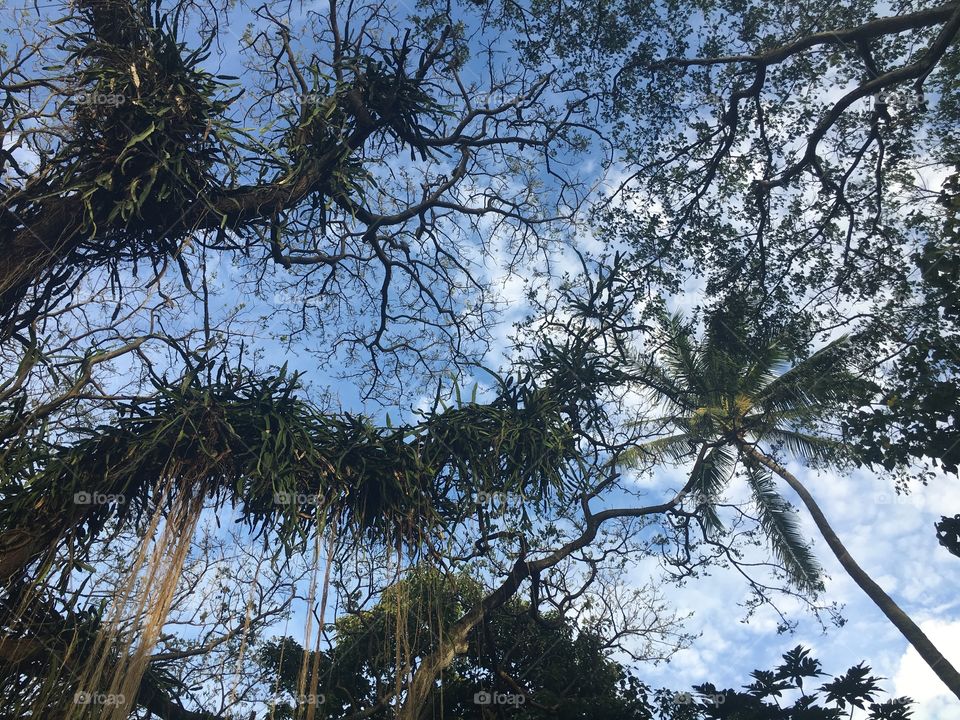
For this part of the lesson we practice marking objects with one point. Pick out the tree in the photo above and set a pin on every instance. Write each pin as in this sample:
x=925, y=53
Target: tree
x=798, y=154
x=359, y=159
x=722, y=115
x=917, y=418
x=353, y=193
x=948, y=533
x=580, y=353
x=726, y=398
x=544, y=666
x=294, y=472
x=231, y=588
x=764, y=699
x=354, y=180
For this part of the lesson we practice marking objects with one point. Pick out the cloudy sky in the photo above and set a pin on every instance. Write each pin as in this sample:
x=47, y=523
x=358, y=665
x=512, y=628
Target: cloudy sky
x=892, y=537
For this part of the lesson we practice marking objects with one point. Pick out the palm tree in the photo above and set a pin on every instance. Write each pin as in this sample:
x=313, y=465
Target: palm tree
x=728, y=400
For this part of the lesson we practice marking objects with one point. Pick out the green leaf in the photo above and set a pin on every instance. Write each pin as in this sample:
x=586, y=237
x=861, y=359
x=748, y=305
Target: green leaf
x=782, y=529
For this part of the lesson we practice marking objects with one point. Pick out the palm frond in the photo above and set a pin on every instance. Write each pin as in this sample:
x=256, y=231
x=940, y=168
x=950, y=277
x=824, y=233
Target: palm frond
x=780, y=525
x=709, y=479
x=680, y=358
x=761, y=372
x=673, y=448
x=804, y=445
x=821, y=379
x=663, y=385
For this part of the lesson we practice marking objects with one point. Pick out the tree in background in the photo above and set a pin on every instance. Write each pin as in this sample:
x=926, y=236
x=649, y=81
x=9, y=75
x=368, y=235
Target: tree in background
x=558, y=670
x=546, y=668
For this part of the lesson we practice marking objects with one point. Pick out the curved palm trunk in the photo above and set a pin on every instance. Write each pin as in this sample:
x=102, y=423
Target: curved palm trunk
x=914, y=635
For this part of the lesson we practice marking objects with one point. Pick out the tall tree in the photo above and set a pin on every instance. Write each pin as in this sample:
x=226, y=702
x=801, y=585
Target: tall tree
x=732, y=397
x=549, y=668
x=347, y=165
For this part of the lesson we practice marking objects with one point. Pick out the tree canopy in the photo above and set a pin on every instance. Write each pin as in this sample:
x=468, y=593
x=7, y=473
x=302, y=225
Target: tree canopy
x=355, y=350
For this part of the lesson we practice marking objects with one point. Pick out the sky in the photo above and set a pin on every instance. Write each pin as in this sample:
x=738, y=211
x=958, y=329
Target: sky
x=893, y=539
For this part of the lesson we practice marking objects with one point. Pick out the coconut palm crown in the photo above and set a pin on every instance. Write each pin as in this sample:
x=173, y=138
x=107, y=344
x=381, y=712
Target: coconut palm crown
x=726, y=396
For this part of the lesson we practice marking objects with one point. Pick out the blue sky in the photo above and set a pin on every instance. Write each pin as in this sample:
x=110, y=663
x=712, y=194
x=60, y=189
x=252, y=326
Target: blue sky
x=892, y=537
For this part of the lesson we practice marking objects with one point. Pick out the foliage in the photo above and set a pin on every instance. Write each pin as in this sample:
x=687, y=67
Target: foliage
x=795, y=155
x=948, y=533
x=252, y=442
x=306, y=160
x=562, y=672
x=354, y=195
x=918, y=419
x=769, y=696
x=140, y=160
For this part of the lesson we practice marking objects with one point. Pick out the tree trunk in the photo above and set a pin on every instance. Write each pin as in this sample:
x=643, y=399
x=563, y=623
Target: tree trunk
x=914, y=635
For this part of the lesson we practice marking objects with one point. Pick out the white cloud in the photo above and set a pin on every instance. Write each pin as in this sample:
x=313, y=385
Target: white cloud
x=893, y=539
x=916, y=680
